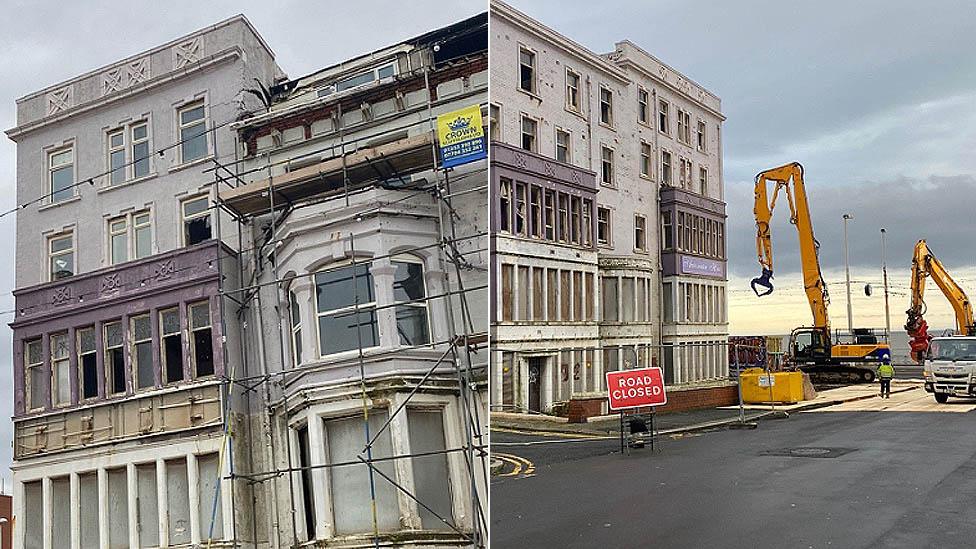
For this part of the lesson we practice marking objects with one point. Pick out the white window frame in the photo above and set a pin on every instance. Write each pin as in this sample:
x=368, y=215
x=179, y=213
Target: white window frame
x=52, y=254
x=640, y=224
x=405, y=258
x=703, y=180
x=191, y=329
x=613, y=171
x=609, y=122
x=664, y=113
x=667, y=168
x=570, y=106
x=180, y=127
x=133, y=142
x=702, y=136
x=112, y=150
x=535, y=70
x=133, y=343
x=133, y=224
x=208, y=211
x=495, y=122
x=163, y=334
x=609, y=224
x=535, y=134
x=51, y=168
x=80, y=361
x=569, y=145
x=643, y=107
x=646, y=160
x=28, y=371
x=366, y=307
x=295, y=328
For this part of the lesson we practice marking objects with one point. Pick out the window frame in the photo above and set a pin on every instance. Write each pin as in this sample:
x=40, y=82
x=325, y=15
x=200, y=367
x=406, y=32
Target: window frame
x=609, y=121
x=295, y=325
x=364, y=307
x=702, y=136
x=191, y=330
x=65, y=361
x=667, y=168
x=534, y=135
x=664, y=117
x=608, y=223
x=646, y=160
x=604, y=162
x=570, y=105
x=81, y=353
x=108, y=368
x=133, y=344
x=181, y=127
x=568, y=157
x=51, y=254
x=133, y=143
x=640, y=233
x=534, y=67
x=422, y=304
x=207, y=212
x=163, y=334
x=643, y=104
x=28, y=373
x=52, y=168
x=703, y=180
x=112, y=150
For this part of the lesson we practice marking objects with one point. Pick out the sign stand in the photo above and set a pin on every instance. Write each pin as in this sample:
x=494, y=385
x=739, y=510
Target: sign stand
x=622, y=432
x=653, y=413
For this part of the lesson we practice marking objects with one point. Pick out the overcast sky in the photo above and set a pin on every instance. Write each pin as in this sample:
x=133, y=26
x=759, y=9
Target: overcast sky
x=51, y=41
x=877, y=99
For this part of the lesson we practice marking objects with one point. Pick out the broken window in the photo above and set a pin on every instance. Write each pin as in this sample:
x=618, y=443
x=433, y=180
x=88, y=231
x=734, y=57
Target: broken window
x=574, y=226
x=562, y=146
x=351, y=484
x=114, y=358
x=410, y=292
x=645, y=160
x=430, y=472
x=193, y=132
x=667, y=230
x=304, y=461
x=61, y=256
x=563, y=223
x=572, y=90
x=520, y=208
x=505, y=204
x=177, y=502
x=549, y=214
x=34, y=370
x=642, y=115
x=606, y=106
x=494, y=123
x=640, y=233
x=526, y=70
x=529, y=129
x=587, y=223
x=602, y=225
x=60, y=369
x=61, y=513
x=535, y=211
x=172, y=345
x=606, y=155
x=296, y=329
x=341, y=326
x=703, y=181
x=609, y=298
x=118, y=509
x=196, y=220
x=201, y=339
x=33, y=516
x=663, y=123
x=142, y=351
x=666, y=177
x=682, y=126
x=701, y=136
x=147, y=505
x=87, y=363
x=208, y=489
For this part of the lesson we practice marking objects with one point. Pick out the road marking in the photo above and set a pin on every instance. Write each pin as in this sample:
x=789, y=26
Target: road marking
x=521, y=467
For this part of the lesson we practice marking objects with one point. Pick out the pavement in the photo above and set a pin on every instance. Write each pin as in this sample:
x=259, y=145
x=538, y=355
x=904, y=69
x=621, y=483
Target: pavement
x=895, y=473
x=692, y=420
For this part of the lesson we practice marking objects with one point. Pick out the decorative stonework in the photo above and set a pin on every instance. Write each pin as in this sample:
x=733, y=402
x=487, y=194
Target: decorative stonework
x=138, y=71
x=188, y=52
x=549, y=169
x=59, y=100
x=110, y=283
x=61, y=295
x=520, y=161
x=112, y=81
x=164, y=270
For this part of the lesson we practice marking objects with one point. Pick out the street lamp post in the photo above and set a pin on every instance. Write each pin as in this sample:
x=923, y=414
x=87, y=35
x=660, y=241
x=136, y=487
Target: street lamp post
x=847, y=271
x=884, y=275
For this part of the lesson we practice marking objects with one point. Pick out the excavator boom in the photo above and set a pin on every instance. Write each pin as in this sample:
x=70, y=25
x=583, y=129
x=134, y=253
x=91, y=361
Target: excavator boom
x=924, y=265
x=789, y=180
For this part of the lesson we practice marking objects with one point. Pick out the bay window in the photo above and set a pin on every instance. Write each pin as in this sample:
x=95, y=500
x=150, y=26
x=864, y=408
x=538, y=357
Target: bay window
x=345, y=309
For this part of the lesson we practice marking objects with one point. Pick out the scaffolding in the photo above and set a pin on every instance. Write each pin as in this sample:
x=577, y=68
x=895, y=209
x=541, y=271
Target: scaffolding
x=273, y=200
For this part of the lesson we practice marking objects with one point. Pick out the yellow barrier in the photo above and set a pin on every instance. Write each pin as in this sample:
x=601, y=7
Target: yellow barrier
x=757, y=387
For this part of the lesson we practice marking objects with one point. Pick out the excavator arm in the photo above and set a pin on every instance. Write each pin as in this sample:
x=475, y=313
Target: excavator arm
x=783, y=177
x=924, y=265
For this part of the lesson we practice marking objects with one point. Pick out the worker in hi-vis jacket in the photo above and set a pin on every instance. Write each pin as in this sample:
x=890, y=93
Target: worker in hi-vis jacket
x=885, y=373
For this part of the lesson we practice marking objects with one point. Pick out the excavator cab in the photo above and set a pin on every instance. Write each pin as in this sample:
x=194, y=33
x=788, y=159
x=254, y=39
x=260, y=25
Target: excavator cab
x=809, y=345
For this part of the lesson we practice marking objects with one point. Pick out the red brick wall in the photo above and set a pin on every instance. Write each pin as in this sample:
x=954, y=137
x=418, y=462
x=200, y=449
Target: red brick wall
x=6, y=530
x=678, y=401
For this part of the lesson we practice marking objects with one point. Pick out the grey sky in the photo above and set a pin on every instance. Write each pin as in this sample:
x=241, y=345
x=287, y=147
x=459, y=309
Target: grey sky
x=877, y=99
x=48, y=41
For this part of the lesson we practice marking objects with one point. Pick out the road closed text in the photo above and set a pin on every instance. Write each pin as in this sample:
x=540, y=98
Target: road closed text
x=636, y=388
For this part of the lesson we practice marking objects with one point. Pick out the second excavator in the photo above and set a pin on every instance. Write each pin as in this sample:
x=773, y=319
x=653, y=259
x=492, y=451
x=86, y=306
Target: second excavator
x=924, y=265
x=814, y=348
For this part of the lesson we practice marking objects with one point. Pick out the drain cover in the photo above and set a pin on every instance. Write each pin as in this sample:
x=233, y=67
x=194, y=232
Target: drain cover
x=810, y=452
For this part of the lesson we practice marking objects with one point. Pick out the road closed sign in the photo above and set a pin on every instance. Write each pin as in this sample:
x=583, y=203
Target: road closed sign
x=636, y=388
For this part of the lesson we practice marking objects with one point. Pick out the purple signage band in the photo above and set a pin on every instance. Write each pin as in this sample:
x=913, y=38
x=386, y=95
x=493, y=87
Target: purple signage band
x=702, y=266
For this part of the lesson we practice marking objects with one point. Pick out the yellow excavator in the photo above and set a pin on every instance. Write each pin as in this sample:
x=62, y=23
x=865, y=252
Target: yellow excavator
x=812, y=349
x=924, y=265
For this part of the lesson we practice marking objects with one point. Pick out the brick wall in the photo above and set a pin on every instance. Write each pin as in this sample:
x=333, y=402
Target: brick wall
x=679, y=400
x=6, y=530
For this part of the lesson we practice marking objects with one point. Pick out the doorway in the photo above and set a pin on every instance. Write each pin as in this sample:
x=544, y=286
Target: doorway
x=536, y=368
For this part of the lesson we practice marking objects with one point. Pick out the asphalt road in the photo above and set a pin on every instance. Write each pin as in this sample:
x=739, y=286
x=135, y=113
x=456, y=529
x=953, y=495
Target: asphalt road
x=899, y=480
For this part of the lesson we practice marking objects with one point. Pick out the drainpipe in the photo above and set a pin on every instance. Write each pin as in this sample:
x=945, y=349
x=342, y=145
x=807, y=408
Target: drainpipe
x=589, y=125
x=660, y=257
x=267, y=421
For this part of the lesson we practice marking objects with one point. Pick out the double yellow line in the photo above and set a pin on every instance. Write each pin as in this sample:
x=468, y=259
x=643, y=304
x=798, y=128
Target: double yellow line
x=520, y=465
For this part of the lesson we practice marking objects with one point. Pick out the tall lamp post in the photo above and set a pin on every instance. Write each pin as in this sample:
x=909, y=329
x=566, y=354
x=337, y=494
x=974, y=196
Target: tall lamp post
x=884, y=275
x=3, y=523
x=847, y=270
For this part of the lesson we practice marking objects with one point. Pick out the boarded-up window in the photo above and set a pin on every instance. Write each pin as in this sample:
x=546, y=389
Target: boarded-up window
x=208, y=488
x=627, y=299
x=147, y=505
x=523, y=294
x=118, y=509
x=668, y=305
x=351, y=483
x=565, y=294
x=553, y=294
x=565, y=367
x=88, y=512
x=609, y=299
x=178, y=502
x=538, y=295
x=430, y=474
x=590, y=298
x=508, y=379
x=61, y=513
x=578, y=295
x=33, y=515
x=507, y=292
